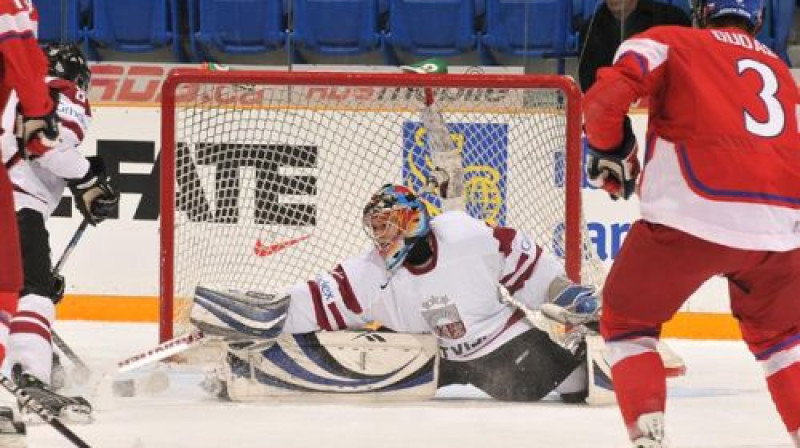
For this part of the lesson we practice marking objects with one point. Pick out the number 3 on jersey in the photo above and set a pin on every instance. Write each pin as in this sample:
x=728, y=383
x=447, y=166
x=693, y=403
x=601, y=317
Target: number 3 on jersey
x=776, y=118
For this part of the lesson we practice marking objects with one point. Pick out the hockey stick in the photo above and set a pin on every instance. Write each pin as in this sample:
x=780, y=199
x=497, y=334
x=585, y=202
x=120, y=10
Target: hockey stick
x=25, y=400
x=71, y=246
x=162, y=351
x=82, y=371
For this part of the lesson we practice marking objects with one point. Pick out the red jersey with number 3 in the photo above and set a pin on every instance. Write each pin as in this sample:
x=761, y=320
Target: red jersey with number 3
x=722, y=159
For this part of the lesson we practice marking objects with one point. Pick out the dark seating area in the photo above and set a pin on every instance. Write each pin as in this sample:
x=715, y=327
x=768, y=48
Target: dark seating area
x=487, y=32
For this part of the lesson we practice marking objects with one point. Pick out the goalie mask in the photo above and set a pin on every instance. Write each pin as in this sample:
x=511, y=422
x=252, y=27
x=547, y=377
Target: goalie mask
x=67, y=62
x=751, y=10
x=395, y=219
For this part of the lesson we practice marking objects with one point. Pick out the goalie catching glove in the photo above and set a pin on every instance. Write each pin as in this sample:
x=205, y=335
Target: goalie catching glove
x=616, y=170
x=571, y=304
x=238, y=316
x=94, y=194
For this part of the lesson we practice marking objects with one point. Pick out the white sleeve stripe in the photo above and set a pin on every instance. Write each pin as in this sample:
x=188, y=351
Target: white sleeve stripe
x=655, y=53
x=781, y=360
x=626, y=348
x=17, y=24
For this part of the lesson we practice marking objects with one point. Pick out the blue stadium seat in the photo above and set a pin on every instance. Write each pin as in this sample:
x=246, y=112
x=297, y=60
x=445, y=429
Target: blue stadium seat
x=59, y=21
x=778, y=21
x=132, y=26
x=356, y=27
x=432, y=27
x=236, y=26
x=529, y=28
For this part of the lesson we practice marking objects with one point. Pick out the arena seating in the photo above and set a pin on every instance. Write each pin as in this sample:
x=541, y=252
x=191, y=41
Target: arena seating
x=200, y=30
x=235, y=27
x=60, y=21
x=529, y=28
x=356, y=30
x=133, y=27
x=432, y=27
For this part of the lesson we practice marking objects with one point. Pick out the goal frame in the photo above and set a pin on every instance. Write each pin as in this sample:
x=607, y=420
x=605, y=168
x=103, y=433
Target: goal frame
x=573, y=239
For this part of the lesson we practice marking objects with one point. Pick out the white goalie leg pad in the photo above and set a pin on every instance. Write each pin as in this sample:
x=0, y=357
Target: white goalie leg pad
x=601, y=389
x=235, y=315
x=349, y=365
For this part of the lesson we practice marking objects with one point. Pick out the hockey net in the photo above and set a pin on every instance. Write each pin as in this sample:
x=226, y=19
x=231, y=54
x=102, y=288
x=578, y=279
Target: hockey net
x=265, y=174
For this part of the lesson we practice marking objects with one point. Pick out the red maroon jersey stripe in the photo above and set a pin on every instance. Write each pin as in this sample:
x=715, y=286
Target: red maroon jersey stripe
x=319, y=309
x=346, y=290
x=525, y=275
x=504, y=236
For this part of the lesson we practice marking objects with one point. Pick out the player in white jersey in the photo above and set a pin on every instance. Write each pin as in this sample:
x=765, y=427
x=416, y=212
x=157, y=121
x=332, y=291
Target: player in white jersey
x=39, y=182
x=442, y=276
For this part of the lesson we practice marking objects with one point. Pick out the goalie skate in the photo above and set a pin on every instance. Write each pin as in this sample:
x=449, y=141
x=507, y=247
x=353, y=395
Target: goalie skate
x=69, y=409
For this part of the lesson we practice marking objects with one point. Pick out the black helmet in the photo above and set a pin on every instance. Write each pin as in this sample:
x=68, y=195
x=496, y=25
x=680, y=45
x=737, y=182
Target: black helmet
x=67, y=62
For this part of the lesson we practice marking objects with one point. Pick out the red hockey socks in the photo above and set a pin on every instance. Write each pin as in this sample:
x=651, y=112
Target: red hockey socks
x=640, y=385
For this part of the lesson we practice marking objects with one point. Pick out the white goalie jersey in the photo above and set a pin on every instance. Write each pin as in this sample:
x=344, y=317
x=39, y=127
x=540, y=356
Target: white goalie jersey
x=39, y=183
x=456, y=297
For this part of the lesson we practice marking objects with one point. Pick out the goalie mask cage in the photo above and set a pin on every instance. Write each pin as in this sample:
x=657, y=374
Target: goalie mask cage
x=264, y=174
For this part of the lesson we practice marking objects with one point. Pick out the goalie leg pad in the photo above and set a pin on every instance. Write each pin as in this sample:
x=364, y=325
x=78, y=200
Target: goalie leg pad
x=235, y=315
x=351, y=365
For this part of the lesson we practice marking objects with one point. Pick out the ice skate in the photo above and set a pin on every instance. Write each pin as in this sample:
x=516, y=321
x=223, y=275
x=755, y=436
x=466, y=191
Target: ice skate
x=12, y=430
x=69, y=409
x=651, y=427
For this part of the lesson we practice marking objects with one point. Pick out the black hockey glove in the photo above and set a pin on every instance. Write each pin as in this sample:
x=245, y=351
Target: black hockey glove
x=94, y=194
x=37, y=135
x=59, y=285
x=615, y=171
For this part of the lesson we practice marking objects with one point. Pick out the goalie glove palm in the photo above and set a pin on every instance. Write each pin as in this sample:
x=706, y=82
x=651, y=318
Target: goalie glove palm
x=615, y=171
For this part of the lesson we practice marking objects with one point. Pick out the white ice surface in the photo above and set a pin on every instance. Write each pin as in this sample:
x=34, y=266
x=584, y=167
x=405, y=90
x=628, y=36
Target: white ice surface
x=722, y=402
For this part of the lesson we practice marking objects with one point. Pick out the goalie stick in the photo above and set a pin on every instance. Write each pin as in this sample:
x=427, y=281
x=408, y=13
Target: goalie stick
x=25, y=400
x=446, y=178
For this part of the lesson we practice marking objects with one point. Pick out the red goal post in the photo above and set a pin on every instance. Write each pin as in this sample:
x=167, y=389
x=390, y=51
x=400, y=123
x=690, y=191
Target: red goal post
x=286, y=160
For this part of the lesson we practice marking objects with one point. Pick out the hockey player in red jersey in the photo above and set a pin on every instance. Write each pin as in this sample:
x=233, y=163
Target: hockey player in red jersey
x=39, y=182
x=438, y=276
x=22, y=69
x=719, y=196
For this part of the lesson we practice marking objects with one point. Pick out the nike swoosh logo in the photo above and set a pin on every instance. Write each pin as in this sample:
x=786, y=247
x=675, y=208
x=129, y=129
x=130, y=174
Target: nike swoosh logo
x=265, y=250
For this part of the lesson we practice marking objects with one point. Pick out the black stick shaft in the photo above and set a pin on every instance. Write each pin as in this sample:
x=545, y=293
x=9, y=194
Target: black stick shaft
x=70, y=246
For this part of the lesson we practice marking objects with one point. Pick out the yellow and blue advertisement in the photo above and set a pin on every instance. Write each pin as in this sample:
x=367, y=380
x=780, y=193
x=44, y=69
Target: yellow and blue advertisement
x=484, y=153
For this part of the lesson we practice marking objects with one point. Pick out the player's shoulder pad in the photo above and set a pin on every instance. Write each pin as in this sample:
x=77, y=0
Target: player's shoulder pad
x=72, y=92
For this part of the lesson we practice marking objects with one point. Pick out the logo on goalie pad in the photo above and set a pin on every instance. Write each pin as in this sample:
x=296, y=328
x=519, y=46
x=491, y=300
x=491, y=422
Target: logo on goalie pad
x=443, y=317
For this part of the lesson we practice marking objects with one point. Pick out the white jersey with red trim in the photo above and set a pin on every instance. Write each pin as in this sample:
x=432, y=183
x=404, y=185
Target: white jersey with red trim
x=455, y=296
x=39, y=183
